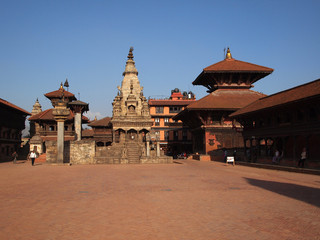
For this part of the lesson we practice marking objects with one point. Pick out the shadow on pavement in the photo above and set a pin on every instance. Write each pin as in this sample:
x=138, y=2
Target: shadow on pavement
x=302, y=193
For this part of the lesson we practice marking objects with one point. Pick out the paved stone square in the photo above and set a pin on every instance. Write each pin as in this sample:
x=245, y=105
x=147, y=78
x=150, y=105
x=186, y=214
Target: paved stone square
x=191, y=200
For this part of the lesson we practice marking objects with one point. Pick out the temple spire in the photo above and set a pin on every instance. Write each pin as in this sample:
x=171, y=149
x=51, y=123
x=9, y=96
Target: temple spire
x=130, y=55
x=36, y=108
x=130, y=65
x=228, y=55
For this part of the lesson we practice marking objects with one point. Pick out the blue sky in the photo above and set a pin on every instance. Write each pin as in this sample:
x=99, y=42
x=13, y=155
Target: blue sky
x=44, y=42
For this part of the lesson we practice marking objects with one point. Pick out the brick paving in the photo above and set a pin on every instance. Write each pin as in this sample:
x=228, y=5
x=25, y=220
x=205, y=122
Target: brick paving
x=191, y=200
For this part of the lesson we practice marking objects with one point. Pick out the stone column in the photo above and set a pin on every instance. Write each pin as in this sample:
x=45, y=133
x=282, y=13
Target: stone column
x=78, y=107
x=77, y=126
x=158, y=146
x=60, y=113
x=60, y=141
x=148, y=144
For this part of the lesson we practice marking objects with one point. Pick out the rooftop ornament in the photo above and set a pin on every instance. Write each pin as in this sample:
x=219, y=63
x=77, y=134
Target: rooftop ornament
x=228, y=55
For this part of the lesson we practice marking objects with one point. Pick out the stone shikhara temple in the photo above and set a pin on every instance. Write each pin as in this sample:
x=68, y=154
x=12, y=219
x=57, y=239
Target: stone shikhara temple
x=57, y=132
x=131, y=125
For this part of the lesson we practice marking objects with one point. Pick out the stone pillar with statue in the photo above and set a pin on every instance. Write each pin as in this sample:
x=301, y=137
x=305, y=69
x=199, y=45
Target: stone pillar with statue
x=60, y=113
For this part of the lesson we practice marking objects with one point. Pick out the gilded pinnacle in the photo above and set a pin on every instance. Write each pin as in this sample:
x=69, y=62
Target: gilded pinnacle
x=228, y=55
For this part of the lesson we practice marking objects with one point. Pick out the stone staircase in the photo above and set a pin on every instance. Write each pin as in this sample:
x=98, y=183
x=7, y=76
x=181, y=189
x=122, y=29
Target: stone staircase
x=41, y=159
x=133, y=153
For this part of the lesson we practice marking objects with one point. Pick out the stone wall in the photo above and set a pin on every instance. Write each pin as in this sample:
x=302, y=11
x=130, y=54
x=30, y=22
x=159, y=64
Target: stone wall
x=86, y=152
x=75, y=152
x=82, y=152
x=51, y=151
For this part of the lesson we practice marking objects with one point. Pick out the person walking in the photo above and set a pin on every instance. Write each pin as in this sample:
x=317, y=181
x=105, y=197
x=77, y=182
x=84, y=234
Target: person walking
x=15, y=156
x=303, y=157
x=32, y=156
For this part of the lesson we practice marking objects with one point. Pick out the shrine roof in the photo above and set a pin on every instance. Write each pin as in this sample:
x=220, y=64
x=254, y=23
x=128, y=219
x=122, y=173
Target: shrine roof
x=233, y=65
x=79, y=103
x=305, y=91
x=225, y=99
x=167, y=102
x=58, y=94
x=8, y=104
x=47, y=115
x=230, y=65
x=104, y=122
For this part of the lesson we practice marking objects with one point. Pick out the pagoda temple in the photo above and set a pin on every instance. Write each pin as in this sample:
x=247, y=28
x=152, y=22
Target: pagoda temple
x=43, y=124
x=228, y=83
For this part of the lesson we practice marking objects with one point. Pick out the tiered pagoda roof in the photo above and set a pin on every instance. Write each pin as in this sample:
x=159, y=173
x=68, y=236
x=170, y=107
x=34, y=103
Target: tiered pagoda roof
x=60, y=94
x=228, y=83
x=231, y=73
x=225, y=99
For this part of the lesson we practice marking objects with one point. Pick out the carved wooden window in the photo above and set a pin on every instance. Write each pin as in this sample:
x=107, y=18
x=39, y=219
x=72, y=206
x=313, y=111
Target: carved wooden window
x=166, y=121
x=174, y=109
x=159, y=109
x=157, y=121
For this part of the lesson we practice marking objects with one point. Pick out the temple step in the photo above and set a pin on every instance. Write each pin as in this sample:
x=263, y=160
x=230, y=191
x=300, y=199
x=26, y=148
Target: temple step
x=133, y=154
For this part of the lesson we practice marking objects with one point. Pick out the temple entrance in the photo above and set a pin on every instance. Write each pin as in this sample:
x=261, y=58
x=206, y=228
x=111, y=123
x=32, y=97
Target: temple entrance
x=132, y=135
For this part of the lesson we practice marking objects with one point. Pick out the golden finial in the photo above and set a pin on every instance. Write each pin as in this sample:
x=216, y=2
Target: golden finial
x=61, y=86
x=228, y=55
x=95, y=118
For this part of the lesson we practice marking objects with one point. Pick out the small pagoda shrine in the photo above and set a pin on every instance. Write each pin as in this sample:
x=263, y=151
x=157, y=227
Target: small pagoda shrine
x=228, y=83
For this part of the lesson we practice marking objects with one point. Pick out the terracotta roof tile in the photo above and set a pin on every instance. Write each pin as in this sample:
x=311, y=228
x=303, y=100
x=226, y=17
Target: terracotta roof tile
x=231, y=66
x=58, y=94
x=104, y=122
x=47, y=115
x=236, y=66
x=305, y=91
x=4, y=102
x=226, y=99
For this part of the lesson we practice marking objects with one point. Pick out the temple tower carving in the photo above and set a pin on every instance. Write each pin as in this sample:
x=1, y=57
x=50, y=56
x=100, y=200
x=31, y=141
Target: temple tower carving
x=131, y=118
